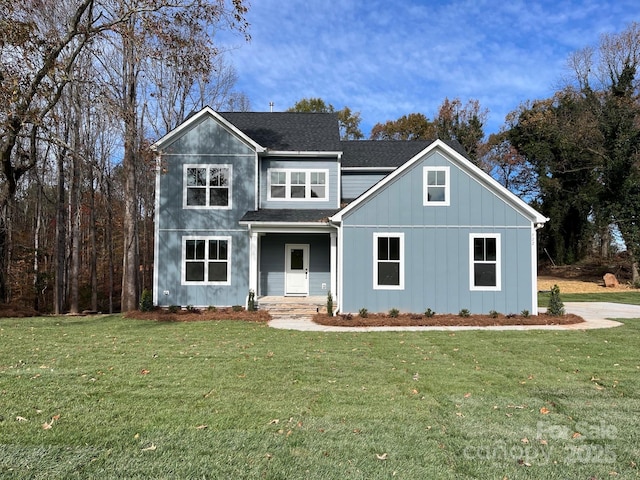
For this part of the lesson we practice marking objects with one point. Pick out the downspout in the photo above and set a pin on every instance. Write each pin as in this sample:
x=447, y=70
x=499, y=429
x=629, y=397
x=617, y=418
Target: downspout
x=337, y=294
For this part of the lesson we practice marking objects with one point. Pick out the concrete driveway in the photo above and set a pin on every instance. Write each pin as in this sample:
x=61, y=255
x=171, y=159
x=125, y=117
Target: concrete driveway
x=595, y=314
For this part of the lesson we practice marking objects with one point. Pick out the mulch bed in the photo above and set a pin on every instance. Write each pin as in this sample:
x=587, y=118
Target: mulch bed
x=197, y=315
x=406, y=320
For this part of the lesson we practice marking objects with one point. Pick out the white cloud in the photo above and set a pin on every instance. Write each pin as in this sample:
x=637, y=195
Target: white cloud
x=386, y=59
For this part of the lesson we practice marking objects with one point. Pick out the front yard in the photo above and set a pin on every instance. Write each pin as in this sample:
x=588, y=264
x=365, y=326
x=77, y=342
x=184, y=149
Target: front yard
x=107, y=397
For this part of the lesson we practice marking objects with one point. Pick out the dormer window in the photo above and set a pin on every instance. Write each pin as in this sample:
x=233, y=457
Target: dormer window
x=297, y=184
x=436, y=186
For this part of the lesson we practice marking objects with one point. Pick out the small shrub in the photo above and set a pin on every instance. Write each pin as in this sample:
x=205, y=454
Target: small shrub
x=525, y=313
x=429, y=313
x=173, y=308
x=493, y=314
x=146, y=301
x=192, y=309
x=330, y=304
x=510, y=315
x=237, y=308
x=347, y=316
x=464, y=313
x=212, y=308
x=251, y=302
x=556, y=307
x=364, y=313
x=394, y=312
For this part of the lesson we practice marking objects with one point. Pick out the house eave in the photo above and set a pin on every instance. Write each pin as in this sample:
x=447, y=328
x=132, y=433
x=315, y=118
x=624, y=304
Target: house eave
x=368, y=169
x=288, y=227
x=301, y=154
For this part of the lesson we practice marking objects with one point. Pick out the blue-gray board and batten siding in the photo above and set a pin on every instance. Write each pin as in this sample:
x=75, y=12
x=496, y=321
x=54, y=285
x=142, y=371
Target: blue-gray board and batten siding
x=272, y=262
x=328, y=165
x=436, y=243
x=175, y=222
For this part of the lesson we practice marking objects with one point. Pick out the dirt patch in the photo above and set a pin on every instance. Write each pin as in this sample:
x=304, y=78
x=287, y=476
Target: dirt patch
x=196, y=315
x=409, y=320
x=16, y=311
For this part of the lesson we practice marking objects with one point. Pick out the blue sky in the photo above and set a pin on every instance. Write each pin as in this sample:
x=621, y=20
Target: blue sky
x=388, y=58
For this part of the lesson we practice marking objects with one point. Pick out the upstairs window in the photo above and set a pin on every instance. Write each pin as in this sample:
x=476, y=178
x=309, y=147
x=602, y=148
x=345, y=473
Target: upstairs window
x=207, y=186
x=436, y=186
x=206, y=260
x=485, y=261
x=290, y=184
x=388, y=261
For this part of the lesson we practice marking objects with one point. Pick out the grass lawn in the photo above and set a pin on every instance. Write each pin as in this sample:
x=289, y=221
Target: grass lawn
x=105, y=397
x=630, y=297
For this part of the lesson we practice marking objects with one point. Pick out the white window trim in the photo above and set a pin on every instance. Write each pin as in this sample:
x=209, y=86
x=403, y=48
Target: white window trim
x=498, y=285
x=207, y=166
x=206, y=239
x=447, y=187
x=307, y=186
x=377, y=235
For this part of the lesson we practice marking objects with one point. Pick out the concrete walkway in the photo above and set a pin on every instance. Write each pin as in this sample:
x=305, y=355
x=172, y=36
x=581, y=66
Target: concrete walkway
x=596, y=315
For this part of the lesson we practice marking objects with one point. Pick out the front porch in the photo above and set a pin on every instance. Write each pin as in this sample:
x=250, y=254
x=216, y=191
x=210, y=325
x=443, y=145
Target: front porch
x=293, y=254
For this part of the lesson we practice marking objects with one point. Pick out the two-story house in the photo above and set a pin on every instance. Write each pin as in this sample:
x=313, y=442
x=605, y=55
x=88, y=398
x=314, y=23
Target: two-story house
x=277, y=204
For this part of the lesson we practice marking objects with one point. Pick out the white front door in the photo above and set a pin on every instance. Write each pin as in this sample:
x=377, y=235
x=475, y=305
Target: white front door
x=296, y=272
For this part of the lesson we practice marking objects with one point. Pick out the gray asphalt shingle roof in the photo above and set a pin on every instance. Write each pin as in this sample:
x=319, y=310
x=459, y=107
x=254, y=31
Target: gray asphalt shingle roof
x=288, y=215
x=289, y=131
x=380, y=153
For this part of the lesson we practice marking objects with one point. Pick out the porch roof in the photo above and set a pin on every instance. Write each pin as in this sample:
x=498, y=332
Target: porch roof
x=288, y=216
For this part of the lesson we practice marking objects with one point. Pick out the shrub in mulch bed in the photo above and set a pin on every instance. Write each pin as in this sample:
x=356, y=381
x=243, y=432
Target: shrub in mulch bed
x=449, y=320
x=200, y=315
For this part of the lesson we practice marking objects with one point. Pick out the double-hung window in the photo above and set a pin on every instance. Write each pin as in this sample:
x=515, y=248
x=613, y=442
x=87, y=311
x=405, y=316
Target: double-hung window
x=485, y=264
x=292, y=184
x=388, y=261
x=207, y=186
x=436, y=189
x=206, y=260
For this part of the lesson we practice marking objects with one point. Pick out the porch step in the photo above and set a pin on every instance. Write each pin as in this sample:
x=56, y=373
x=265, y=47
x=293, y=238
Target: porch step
x=292, y=306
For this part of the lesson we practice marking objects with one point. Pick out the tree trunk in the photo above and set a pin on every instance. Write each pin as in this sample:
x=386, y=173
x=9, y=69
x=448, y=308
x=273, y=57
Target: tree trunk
x=130, y=261
x=93, y=259
x=74, y=212
x=61, y=239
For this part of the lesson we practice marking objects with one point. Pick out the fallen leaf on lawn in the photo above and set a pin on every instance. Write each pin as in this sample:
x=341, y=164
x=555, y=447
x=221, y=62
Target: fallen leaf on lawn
x=467, y=395
x=544, y=410
x=522, y=462
x=525, y=440
x=414, y=392
x=201, y=427
x=381, y=457
x=543, y=441
x=136, y=436
x=576, y=435
x=275, y=421
x=150, y=448
x=47, y=426
x=144, y=371
x=56, y=417
x=21, y=419
x=459, y=414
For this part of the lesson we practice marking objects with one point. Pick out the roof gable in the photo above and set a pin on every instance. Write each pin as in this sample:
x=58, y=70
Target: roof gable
x=465, y=165
x=194, y=120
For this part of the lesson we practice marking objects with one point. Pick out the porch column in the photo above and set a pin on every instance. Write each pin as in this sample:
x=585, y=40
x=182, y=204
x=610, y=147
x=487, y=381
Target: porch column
x=334, y=265
x=253, y=262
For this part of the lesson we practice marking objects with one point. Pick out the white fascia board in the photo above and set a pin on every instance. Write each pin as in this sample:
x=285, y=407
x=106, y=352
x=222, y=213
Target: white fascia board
x=465, y=165
x=288, y=227
x=369, y=169
x=300, y=153
x=194, y=119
